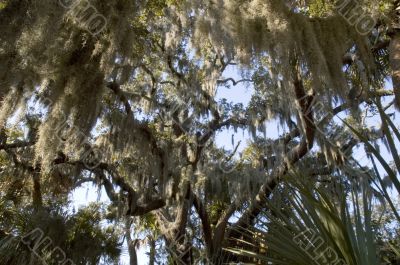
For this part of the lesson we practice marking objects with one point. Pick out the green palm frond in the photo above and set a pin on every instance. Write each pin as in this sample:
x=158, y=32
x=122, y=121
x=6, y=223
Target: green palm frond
x=313, y=228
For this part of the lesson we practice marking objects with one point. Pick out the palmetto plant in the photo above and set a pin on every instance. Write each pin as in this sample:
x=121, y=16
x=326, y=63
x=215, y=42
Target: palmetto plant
x=311, y=222
x=313, y=228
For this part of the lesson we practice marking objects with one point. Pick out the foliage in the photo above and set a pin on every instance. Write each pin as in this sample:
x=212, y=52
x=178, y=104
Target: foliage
x=126, y=95
x=80, y=235
x=340, y=220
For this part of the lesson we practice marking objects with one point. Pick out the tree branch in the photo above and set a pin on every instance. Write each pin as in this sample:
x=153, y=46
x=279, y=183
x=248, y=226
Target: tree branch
x=117, y=90
x=234, y=82
x=205, y=221
x=16, y=144
x=291, y=157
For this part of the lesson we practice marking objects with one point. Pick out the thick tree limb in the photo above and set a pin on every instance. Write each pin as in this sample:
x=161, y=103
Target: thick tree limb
x=205, y=221
x=153, y=79
x=148, y=207
x=117, y=90
x=132, y=243
x=17, y=144
x=394, y=60
x=297, y=153
x=234, y=82
x=134, y=208
x=293, y=156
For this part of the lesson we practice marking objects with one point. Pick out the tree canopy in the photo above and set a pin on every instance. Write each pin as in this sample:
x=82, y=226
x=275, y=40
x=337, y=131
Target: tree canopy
x=124, y=95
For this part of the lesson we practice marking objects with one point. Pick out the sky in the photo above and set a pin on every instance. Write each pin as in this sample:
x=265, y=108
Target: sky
x=240, y=93
x=235, y=94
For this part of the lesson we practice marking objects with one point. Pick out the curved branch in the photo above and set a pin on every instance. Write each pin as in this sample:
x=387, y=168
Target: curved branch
x=205, y=221
x=305, y=103
x=234, y=82
x=16, y=144
x=117, y=90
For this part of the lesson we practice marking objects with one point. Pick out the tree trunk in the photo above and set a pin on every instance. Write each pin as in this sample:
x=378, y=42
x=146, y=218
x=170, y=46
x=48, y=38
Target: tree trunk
x=37, y=199
x=394, y=60
x=152, y=258
x=131, y=245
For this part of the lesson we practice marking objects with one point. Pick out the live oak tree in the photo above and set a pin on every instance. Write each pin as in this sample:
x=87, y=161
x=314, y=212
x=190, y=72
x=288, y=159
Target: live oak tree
x=129, y=104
